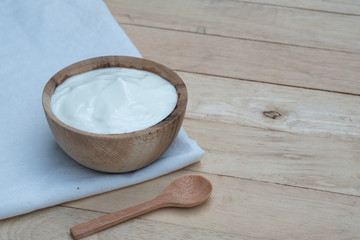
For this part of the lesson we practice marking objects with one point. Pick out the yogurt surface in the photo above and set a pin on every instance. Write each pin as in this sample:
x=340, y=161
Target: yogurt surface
x=113, y=100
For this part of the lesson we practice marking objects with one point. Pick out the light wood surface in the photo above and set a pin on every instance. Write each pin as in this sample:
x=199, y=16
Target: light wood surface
x=249, y=60
x=273, y=100
x=246, y=20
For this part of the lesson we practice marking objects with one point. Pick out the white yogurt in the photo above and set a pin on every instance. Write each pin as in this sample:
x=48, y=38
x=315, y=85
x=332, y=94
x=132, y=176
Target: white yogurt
x=113, y=100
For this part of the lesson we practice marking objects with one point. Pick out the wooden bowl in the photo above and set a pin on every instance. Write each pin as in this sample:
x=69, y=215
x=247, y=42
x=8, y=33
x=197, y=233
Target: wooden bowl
x=116, y=152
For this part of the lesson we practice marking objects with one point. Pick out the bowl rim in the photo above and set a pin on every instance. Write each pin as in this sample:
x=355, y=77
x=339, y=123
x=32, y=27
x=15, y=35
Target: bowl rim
x=116, y=61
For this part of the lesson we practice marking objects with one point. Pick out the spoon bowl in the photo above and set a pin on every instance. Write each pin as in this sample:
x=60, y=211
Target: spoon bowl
x=186, y=191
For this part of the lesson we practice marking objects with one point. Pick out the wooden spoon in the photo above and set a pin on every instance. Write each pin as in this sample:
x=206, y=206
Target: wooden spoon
x=186, y=191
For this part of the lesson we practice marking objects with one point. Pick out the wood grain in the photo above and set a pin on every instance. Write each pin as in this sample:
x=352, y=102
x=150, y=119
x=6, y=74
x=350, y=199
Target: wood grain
x=54, y=223
x=283, y=160
x=251, y=208
x=279, y=157
x=336, y=6
x=294, y=110
x=255, y=61
x=186, y=191
x=314, y=143
x=239, y=19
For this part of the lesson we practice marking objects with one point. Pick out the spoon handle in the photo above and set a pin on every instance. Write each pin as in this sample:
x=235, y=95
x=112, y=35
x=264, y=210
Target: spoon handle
x=98, y=224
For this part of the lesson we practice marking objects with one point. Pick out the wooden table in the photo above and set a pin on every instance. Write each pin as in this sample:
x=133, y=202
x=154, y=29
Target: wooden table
x=273, y=100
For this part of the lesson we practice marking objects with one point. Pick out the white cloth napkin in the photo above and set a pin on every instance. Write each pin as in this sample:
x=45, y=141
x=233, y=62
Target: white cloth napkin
x=37, y=39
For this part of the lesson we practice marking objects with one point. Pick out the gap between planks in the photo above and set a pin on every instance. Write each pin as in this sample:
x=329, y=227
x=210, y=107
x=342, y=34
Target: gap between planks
x=138, y=217
x=349, y=7
x=239, y=38
x=237, y=206
x=264, y=62
x=276, y=157
x=59, y=219
x=189, y=168
x=293, y=4
x=268, y=83
x=245, y=21
x=322, y=155
x=310, y=112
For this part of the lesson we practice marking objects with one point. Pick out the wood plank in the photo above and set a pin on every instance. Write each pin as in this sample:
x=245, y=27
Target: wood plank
x=254, y=209
x=245, y=20
x=54, y=223
x=278, y=157
x=51, y=223
x=315, y=143
x=336, y=6
x=255, y=61
x=305, y=111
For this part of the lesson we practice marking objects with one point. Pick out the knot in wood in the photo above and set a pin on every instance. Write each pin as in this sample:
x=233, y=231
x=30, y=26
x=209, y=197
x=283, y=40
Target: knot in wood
x=272, y=114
